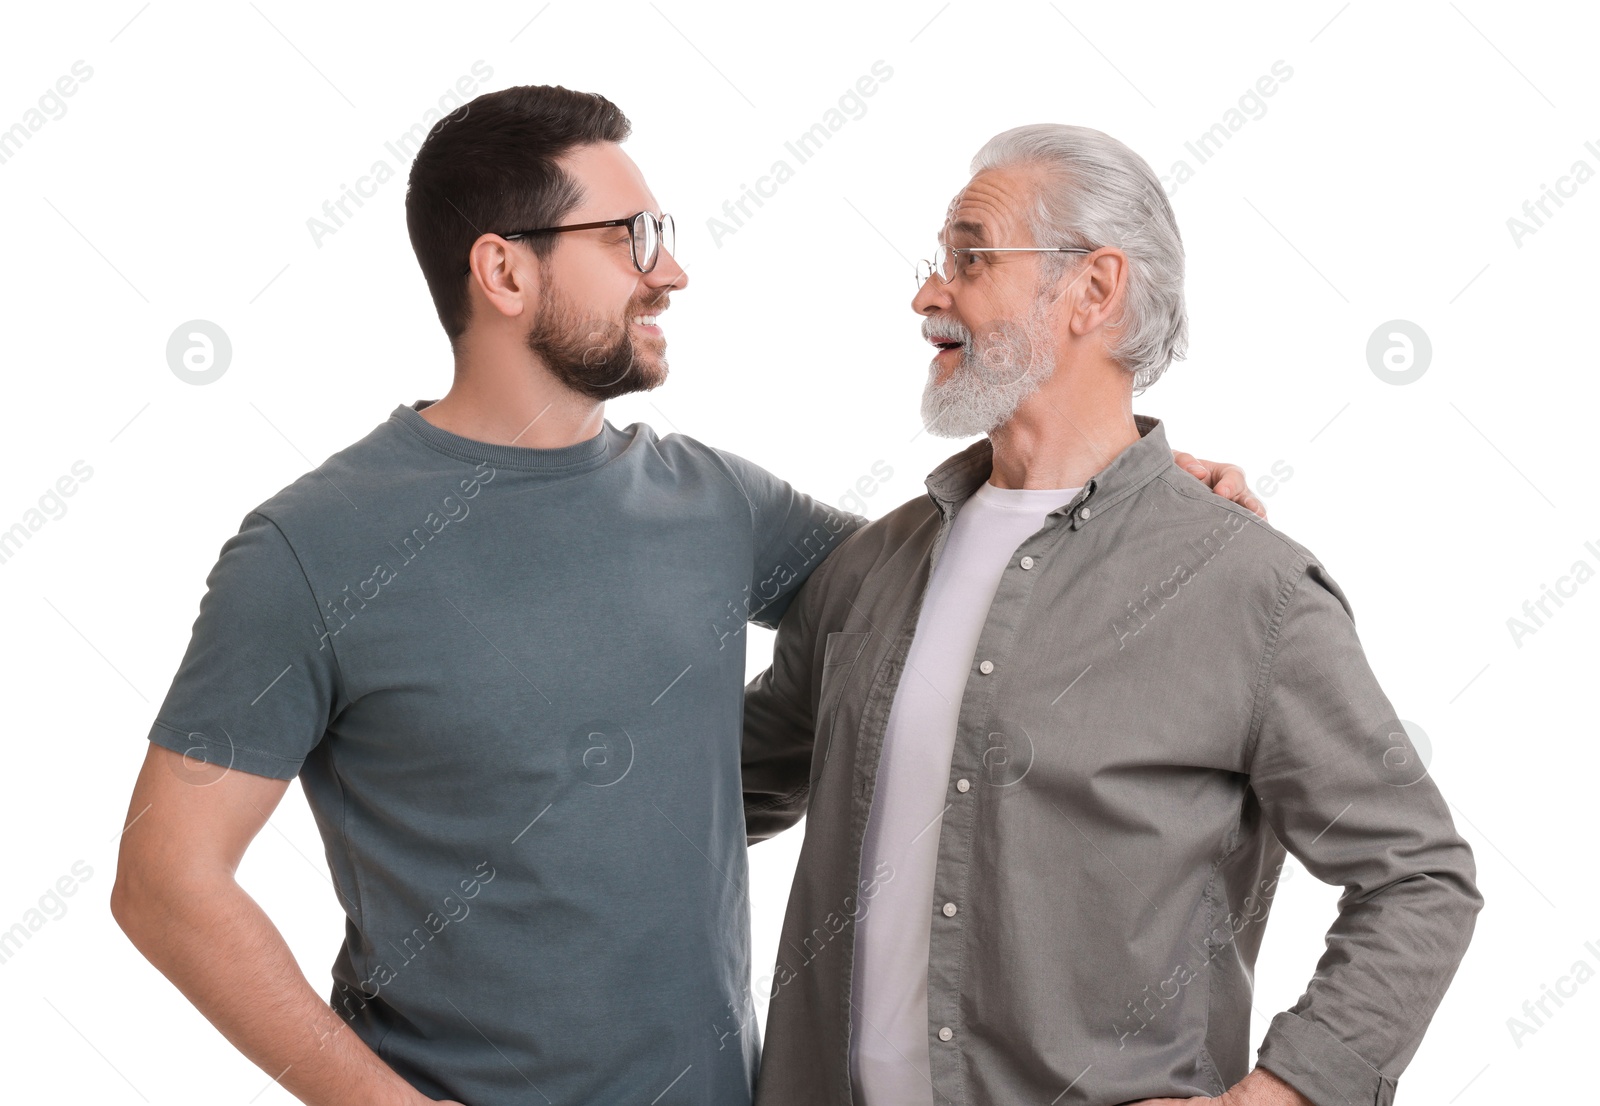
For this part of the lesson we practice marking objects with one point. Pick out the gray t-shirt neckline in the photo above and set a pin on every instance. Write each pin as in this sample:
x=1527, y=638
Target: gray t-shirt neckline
x=562, y=460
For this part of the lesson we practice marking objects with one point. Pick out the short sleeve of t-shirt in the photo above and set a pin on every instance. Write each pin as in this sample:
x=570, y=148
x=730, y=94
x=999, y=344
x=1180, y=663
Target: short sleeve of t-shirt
x=793, y=533
x=256, y=687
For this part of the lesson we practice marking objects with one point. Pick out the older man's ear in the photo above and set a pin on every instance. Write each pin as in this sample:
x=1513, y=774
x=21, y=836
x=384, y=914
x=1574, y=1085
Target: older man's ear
x=1224, y=479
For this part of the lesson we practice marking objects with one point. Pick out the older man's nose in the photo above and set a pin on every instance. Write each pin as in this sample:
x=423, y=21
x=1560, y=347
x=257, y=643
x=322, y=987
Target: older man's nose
x=934, y=295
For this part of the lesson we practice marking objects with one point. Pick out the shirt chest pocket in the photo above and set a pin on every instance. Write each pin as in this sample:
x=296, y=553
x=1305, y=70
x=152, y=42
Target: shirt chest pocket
x=843, y=653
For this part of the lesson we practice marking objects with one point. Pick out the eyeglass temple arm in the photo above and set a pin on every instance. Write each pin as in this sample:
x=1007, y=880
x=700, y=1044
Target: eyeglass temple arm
x=1019, y=249
x=574, y=226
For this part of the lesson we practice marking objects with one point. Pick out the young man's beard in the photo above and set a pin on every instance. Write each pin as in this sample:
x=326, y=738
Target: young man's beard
x=597, y=359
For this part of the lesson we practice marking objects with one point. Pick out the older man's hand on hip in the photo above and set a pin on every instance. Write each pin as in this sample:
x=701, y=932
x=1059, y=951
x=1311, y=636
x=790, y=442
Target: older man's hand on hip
x=1259, y=1088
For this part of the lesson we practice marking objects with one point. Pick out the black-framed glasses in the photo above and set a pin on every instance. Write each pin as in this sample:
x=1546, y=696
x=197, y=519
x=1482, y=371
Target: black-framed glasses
x=950, y=262
x=647, y=236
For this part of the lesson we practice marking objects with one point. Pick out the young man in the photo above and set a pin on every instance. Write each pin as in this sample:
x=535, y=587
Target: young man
x=1057, y=720
x=498, y=640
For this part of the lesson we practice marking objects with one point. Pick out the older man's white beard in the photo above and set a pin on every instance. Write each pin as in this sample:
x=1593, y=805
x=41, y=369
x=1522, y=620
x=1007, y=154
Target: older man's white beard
x=986, y=388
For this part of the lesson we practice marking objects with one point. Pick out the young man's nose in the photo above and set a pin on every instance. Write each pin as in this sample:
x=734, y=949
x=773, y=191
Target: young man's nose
x=667, y=273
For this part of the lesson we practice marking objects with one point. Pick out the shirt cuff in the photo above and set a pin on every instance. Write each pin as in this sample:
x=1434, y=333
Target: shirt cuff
x=1320, y=1066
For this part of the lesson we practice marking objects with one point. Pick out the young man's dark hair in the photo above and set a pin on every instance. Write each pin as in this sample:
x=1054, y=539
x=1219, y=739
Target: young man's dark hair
x=491, y=166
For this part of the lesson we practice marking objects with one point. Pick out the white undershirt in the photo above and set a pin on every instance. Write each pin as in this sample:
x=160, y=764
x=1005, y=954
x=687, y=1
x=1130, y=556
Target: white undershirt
x=889, y=987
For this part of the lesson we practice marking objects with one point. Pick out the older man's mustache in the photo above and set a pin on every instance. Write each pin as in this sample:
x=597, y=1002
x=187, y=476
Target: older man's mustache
x=944, y=331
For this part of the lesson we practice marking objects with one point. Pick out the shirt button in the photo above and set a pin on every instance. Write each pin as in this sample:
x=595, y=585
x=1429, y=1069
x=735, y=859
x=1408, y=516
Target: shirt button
x=945, y=1034
x=1083, y=512
x=986, y=667
x=1027, y=562
x=963, y=786
x=949, y=910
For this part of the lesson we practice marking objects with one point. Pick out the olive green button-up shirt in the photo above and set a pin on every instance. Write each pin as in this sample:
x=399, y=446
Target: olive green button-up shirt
x=1174, y=695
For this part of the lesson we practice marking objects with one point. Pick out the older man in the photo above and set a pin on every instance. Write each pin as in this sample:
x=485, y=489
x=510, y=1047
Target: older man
x=1058, y=720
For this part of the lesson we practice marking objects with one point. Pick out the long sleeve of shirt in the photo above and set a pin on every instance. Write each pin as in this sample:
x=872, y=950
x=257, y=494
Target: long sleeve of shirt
x=1342, y=787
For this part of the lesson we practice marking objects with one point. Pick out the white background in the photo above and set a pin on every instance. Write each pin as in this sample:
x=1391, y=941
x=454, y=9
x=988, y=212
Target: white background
x=1376, y=186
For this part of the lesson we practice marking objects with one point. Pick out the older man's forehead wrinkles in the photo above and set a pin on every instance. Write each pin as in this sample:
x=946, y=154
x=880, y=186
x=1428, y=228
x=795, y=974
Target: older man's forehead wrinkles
x=988, y=204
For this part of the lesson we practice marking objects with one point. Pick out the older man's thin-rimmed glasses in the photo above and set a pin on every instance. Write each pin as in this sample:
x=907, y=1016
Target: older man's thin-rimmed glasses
x=949, y=263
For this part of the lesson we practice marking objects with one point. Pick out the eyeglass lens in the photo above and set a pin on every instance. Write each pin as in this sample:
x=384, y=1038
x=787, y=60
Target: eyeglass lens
x=649, y=236
x=944, y=263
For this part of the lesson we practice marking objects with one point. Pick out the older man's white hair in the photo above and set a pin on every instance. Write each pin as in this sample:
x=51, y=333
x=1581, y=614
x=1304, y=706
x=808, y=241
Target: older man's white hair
x=1098, y=192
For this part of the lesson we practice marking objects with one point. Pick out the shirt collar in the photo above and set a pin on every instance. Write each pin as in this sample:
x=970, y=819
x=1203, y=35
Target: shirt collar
x=959, y=476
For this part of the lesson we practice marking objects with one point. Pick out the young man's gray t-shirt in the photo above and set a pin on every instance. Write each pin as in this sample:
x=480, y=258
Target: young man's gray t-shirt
x=510, y=682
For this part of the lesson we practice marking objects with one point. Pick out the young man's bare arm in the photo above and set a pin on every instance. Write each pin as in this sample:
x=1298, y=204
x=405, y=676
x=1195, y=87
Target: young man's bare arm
x=177, y=900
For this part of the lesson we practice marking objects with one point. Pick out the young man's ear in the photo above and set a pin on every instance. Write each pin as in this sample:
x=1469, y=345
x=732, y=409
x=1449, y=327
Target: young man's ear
x=507, y=277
